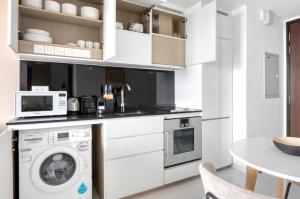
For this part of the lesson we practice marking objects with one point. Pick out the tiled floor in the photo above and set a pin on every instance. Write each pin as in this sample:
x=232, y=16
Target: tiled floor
x=192, y=188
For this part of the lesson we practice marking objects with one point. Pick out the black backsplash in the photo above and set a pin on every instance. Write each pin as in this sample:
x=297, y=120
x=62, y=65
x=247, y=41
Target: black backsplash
x=147, y=87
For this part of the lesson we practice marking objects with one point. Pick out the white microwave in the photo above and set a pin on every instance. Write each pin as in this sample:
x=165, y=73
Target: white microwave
x=36, y=103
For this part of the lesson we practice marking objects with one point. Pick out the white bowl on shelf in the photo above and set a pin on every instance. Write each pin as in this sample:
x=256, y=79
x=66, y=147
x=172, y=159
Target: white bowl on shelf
x=68, y=8
x=37, y=38
x=90, y=12
x=52, y=6
x=33, y=3
x=136, y=27
x=38, y=32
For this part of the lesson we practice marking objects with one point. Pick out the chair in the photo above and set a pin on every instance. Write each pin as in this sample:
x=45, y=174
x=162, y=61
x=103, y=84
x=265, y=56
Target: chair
x=217, y=188
x=288, y=187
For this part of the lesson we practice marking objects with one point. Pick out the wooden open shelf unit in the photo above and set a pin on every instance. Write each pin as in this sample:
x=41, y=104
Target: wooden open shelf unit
x=168, y=24
x=63, y=28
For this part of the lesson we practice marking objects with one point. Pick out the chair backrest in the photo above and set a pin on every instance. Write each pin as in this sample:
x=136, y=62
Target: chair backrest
x=217, y=188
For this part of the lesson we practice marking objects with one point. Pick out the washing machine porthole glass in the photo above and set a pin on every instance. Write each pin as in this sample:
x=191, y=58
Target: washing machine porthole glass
x=57, y=169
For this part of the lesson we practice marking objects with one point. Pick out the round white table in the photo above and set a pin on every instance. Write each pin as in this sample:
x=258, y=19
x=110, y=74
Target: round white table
x=260, y=154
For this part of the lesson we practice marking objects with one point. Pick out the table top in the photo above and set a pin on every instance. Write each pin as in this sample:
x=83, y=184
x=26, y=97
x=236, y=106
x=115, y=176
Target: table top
x=262, y=155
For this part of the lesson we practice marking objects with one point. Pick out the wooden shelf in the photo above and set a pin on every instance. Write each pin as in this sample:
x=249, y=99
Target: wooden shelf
x=132, y=7
x=156, y=34
x=27, y=11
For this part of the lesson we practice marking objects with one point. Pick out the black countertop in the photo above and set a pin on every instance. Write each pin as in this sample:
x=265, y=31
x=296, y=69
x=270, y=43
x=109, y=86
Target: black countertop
x=130, y=112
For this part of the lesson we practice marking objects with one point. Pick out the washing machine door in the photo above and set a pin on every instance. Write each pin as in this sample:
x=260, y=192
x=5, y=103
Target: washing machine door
x=57, y=169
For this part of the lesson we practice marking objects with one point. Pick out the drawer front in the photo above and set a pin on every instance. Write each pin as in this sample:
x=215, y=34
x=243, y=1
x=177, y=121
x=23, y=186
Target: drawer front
x=135, y=174
x=119, y=128
x=118, y=148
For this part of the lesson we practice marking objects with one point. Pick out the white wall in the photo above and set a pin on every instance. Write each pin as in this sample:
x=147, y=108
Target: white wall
x=264, y=116
x=9, y=71
x=188, y=87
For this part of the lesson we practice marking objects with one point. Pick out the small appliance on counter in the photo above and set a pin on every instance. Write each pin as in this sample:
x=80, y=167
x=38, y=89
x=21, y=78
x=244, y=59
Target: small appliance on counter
x=41, y=103
x=88, y=104
x=73, y=105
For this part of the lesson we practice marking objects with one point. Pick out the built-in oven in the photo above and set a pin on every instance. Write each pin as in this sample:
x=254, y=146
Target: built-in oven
x=182, y=140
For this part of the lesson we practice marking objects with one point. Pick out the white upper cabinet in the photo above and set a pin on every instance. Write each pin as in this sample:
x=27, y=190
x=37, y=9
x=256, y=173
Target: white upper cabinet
x=133, y=48
x=109, y=29
x=201, y=34
x=6, y=171
x=13, y=21
x=223, y=26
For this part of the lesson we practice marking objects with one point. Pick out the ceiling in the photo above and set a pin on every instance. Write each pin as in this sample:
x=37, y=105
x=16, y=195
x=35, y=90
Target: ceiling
x=184, y=4
x=283, y=8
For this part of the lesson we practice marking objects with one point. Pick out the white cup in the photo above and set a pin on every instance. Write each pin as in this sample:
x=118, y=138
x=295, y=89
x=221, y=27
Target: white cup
x=97, y=45
x=81, y=43
x=89, y=44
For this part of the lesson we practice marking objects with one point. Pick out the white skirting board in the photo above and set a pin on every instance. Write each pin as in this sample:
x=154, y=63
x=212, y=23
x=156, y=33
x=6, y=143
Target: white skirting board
x=181, y=172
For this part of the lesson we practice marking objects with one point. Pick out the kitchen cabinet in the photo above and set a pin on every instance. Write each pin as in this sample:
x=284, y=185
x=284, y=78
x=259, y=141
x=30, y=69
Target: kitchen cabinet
x=64, y=29
x=133, y=155
x=201, y=34
x=131, y=175
x=217, y=83
x=132, y=48
x=168, y=50
x=7, y=168
x=217, y=138
x=13, y=21
x=169, y=38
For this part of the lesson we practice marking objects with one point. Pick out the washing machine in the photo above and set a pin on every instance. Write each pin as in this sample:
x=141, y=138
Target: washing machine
x=55, y=163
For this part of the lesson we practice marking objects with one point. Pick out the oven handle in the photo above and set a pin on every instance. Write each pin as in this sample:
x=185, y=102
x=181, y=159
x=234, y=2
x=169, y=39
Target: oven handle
x=167, y=144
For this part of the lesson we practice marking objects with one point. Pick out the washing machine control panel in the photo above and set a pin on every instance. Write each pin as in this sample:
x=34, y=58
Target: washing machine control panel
x=74, y=135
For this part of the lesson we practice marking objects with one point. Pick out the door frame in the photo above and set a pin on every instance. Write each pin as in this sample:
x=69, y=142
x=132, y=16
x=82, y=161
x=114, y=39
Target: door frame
x=288, y=76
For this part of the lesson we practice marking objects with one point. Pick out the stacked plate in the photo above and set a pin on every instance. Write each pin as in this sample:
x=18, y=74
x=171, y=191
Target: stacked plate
x=68, y=8
x=33, y=3
x=37, y=35
x=52, y=6
x=90, y=12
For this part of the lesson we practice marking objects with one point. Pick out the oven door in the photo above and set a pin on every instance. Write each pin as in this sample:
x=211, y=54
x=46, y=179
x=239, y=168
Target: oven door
x=183, y=140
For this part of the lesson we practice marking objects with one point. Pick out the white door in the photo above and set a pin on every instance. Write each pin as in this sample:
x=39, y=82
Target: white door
x=13, y=23
x=109, y=29
x=216, y=141
x=217, y=83
x=6, y=159
x=133, y=48
x=201, y=34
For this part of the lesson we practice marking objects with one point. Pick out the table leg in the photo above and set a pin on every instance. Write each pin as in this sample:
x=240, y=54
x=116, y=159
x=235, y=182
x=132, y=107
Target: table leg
x=251, y=178
x=279, y=187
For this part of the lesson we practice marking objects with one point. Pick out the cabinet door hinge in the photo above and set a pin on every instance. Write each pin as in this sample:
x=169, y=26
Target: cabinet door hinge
x=289, y=49
x=289, y=100
x=289, y=36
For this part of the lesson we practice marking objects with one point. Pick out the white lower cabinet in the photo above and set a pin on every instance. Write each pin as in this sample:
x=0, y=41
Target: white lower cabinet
x=216, y=141
x=6, y=160
x=131, y=175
